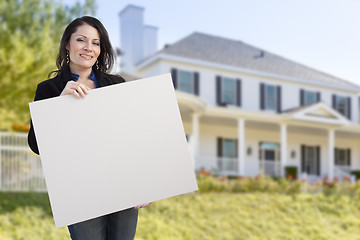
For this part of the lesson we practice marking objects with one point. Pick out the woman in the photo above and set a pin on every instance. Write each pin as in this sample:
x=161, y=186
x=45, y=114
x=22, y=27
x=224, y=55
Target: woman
x=84, y=60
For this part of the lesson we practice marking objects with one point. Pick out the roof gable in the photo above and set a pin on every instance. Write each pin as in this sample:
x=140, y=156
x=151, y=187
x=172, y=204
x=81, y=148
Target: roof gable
x=318, y=112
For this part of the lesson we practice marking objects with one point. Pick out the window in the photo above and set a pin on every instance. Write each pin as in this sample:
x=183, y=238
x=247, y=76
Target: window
x=310, y=159
x=185, y=81
x=270, y=97
x=227, y=162
x=342, y=157
x=229, y=148
x=340, y=105
x=228, y=91
x=309, y=97
x=228, y=88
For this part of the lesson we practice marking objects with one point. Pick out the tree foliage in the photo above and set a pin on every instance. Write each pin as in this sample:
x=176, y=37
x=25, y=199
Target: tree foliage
x=30, y=32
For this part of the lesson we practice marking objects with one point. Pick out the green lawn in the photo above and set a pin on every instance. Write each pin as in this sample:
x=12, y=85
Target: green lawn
x=204, y=216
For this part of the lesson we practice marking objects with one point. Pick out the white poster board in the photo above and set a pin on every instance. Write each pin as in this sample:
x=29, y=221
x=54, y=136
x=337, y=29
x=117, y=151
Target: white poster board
x=121, y=146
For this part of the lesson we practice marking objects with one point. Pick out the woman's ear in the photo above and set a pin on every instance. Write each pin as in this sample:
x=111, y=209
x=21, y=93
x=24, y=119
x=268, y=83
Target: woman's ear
x=67, y=46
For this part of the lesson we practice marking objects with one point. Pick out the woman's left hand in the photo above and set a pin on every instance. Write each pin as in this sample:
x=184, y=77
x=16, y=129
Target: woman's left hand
x=142, y=205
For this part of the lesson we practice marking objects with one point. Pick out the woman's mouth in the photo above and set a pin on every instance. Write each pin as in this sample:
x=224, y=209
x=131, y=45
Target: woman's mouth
x=87, y=57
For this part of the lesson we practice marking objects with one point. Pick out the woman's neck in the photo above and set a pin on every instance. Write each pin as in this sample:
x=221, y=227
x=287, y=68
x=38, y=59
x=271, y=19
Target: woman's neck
x=83, y=73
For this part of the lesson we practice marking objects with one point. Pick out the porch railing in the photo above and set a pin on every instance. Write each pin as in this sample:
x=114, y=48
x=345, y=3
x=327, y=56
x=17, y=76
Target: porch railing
x=20, y=168
x=342, y=172
x=219, y=165
x=270, y=168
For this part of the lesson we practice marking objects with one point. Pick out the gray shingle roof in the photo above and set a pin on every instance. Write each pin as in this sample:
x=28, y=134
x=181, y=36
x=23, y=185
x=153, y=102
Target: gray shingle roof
x=220, y=50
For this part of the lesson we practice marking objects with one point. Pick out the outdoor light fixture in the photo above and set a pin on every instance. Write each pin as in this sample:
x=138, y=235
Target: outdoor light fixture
x=293, y=154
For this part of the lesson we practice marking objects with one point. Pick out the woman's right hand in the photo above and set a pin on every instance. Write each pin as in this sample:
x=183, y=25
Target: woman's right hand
x=76, y=89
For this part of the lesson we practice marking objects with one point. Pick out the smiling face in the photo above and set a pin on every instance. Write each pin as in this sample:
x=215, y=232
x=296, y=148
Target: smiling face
x=84, y=48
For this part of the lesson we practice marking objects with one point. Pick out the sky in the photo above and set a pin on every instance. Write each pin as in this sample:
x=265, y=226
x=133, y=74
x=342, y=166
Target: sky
x=321, y=34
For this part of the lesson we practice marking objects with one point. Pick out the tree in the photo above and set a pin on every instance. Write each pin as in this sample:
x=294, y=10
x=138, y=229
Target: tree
x=30, y=32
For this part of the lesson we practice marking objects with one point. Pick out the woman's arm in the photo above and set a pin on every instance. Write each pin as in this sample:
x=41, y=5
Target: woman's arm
x=31, y=135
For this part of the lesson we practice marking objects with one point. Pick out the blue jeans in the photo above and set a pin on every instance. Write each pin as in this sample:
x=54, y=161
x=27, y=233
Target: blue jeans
x=115, y=226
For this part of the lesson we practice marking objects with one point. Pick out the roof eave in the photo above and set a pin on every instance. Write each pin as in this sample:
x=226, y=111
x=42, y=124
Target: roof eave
x=160, y=56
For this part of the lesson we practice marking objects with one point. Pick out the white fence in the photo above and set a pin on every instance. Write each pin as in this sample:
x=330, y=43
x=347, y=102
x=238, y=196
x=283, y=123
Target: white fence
x=20, y=168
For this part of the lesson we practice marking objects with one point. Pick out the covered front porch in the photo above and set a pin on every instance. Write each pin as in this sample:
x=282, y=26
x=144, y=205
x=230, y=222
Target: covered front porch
x=314, y=142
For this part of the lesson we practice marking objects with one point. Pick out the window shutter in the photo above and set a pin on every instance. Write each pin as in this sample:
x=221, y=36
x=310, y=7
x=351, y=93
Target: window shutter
x=302, y=93
x=348, y=156
x=219, y=152
x=238, y=92
x=318, y=160
x=174, y=77
x=278, y=96
x=336, y=156
x=196, y=83
x=219, y=147
x=334, y=101
x=236, y=148
x=318, y=97
x=262, y=96
x=349, y=108
x=218, y=90
x=303, y=159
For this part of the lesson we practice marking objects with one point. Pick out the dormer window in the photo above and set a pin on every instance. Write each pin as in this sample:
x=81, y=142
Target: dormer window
x=228, y=91
x=185, y=81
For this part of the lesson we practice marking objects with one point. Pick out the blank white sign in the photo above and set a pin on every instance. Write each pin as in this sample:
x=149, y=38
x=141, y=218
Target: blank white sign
x=121, y=146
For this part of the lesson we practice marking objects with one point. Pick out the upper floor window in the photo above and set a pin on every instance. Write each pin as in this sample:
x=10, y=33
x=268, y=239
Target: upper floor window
x=228, y=91
x=185, y=81
x=270, y=97
x=308, y=97
x=342, y=105
x=228, y=94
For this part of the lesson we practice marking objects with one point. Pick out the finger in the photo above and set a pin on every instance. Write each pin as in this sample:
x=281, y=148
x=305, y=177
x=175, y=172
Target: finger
x=75, y=93
x=80, y=91
x=84, y=88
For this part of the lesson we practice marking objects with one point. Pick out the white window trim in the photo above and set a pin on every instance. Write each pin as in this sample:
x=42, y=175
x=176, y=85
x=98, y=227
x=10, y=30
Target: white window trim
x=338, y=156
x=275, y=98
x=346, y=105
x=222, y=91
x=192, y=81
x=305, y=99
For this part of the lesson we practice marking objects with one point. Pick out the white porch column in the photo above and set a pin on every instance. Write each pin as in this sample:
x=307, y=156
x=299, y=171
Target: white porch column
x=194, y=139
x=241, y=146
x=283, y=154
x=331, y=153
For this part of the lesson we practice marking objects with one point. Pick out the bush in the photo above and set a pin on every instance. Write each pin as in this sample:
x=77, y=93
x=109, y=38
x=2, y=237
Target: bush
x=262, y=183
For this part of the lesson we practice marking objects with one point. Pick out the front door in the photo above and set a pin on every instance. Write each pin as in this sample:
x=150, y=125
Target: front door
x=310, y=160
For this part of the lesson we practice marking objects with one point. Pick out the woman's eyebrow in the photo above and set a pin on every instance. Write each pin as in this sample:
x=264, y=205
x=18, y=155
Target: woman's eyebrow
x=80, y=35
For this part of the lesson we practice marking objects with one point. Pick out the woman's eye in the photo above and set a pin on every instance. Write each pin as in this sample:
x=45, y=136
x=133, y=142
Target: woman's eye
x=80, y=40
x=97, y=44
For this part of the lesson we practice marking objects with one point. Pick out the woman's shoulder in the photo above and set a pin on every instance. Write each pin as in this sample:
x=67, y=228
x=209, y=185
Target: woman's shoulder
x=114, y=78
x=51, y=81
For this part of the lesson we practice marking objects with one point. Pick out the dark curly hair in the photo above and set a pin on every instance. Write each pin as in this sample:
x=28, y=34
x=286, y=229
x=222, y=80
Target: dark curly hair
x=106, y=57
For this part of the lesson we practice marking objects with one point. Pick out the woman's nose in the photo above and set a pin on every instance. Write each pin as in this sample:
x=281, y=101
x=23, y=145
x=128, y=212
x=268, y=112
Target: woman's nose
x=87, y=47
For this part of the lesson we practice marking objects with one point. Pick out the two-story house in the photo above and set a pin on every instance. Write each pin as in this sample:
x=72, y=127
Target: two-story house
x=246, y=110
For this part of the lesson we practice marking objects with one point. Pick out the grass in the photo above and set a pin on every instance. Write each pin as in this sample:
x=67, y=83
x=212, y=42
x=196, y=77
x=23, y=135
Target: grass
x=204, y=216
